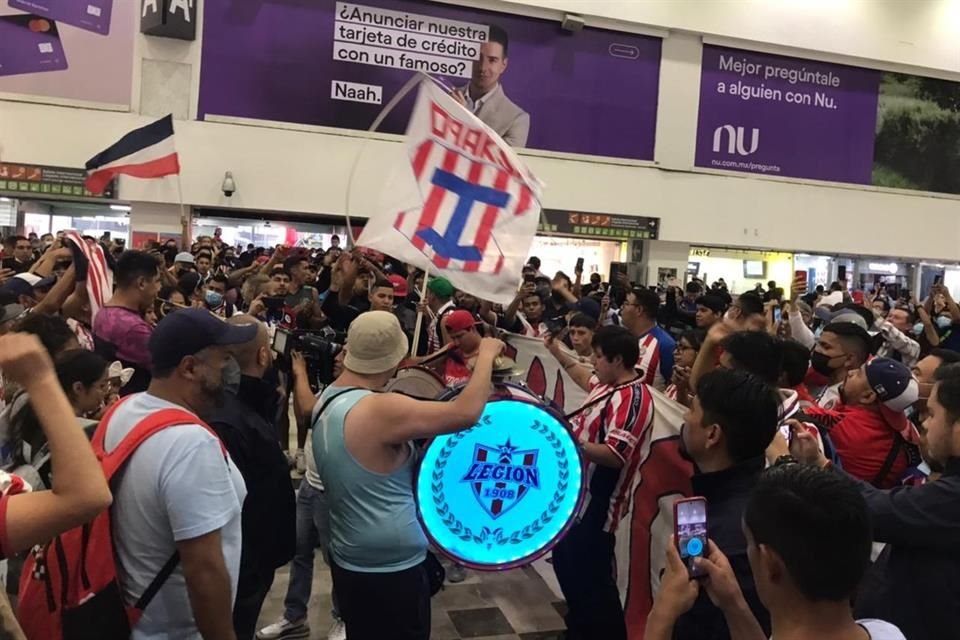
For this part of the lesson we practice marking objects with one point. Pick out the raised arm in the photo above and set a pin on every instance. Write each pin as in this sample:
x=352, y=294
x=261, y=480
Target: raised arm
x=411, y=419
x=79, y=490
x=578, y=372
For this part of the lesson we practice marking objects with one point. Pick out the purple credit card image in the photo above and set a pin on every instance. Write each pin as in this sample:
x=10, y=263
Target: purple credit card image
x=30, y=44
x=91, y=15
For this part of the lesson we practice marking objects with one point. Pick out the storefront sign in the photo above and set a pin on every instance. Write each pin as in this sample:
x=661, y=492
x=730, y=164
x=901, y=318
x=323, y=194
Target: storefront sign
x=39, y=180
x=169, y=19
x=593, y=92
x=599, y=225
x=789, y=117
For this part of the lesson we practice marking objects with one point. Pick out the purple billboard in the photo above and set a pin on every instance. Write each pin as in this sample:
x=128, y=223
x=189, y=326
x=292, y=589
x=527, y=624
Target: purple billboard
x=775, y=115
x=337, y=64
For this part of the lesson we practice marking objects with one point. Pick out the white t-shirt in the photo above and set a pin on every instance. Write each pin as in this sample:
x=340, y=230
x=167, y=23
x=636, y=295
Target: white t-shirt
x=176, y=486
x=878, y=630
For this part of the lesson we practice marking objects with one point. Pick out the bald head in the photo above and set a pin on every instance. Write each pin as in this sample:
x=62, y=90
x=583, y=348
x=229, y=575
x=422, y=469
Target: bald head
x=254, y=357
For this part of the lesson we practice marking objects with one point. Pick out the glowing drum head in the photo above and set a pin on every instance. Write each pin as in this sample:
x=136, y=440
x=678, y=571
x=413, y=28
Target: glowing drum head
x=501, y=493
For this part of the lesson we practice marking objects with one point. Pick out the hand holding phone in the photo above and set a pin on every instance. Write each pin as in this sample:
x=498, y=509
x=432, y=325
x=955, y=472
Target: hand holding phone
x=579, y=267
x=690, y=530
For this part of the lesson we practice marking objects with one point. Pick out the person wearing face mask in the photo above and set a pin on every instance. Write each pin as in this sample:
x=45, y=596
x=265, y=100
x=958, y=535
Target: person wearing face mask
x=177, y=504
x=843, y=346
x=246, y=425
x=215, y=296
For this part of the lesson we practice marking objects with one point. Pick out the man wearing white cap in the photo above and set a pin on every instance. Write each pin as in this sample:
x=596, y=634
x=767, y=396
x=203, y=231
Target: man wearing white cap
x=362, y=442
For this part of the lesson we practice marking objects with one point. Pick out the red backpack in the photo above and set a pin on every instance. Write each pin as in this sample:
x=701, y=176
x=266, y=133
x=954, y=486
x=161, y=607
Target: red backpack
x=69, y=589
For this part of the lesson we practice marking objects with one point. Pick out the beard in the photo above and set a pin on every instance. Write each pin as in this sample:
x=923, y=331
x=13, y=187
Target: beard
x=212, y=388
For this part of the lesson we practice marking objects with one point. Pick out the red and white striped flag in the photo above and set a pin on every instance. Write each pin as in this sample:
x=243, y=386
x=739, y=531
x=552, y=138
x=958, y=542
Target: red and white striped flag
x=91, y=266
x=147, y=152
x=463, y=206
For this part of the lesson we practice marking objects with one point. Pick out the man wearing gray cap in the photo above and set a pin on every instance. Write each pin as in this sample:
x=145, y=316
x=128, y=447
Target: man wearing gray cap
x=176, y=509
x=362, y=442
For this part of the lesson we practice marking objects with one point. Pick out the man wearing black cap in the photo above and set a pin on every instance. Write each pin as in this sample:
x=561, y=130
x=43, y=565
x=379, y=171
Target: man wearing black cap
x=179, y=493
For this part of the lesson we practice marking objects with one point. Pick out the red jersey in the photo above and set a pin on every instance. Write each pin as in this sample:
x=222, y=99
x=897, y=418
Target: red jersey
x=622, y=421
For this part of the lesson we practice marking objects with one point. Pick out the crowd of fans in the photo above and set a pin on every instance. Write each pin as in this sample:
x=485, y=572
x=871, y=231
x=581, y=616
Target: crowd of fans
x=821, y=428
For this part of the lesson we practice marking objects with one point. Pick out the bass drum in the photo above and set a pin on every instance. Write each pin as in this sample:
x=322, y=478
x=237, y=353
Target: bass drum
x=503, y=492
x=416, y=382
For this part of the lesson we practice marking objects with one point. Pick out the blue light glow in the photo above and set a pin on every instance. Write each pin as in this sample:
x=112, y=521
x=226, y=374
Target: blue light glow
x=500, y=493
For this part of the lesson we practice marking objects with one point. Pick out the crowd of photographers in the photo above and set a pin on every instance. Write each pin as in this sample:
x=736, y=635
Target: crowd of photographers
x=851, y=396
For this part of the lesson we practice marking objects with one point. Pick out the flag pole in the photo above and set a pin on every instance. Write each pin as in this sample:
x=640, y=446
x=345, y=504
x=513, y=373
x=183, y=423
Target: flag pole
x=419, y=324
x=184, y=220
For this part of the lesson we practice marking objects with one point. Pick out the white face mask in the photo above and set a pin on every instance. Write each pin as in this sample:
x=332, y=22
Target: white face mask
x=944, y=322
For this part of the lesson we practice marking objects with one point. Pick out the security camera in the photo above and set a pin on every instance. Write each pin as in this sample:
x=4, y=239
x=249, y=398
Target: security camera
x=229, y=187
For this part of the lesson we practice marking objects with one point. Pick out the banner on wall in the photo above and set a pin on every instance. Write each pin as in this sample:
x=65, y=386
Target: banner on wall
x=782, y=116
x=67, y=50
x=337, y=64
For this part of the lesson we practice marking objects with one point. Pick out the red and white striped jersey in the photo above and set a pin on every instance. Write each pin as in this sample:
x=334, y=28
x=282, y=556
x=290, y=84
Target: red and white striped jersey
x=622, y=421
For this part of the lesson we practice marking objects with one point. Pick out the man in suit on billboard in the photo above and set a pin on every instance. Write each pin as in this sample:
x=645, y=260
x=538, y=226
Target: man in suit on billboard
x=485, y=97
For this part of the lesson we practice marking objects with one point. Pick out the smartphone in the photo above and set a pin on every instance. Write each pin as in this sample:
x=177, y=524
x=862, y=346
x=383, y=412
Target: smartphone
x=529, y=277
x=579, y=266
x=800, y=276
x=937, y=279
x=690, y=530
x=777, y=314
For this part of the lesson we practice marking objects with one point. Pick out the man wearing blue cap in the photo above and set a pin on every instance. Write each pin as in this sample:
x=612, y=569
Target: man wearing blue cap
x=177, y=502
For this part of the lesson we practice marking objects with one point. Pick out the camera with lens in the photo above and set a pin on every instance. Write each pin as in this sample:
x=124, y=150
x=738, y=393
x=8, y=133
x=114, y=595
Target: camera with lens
x=318, y=348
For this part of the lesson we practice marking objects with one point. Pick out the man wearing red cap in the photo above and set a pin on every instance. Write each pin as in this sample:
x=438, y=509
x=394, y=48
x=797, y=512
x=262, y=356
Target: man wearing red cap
x=465, y=340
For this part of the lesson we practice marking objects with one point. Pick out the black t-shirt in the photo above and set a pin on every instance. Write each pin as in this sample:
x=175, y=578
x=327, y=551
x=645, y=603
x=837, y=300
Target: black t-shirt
x=18, y=267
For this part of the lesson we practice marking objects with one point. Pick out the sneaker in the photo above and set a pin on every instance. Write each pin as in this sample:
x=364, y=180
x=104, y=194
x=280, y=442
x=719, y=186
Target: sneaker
x=456, y=573
x=301, y=462
x=338, y=631
x=284, y=629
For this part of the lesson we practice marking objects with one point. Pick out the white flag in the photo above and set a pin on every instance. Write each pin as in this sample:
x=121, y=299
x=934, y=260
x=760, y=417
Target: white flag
x=464, y=207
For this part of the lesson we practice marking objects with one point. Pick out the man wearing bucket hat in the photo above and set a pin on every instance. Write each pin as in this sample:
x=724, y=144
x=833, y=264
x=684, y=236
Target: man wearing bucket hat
x=363, y=445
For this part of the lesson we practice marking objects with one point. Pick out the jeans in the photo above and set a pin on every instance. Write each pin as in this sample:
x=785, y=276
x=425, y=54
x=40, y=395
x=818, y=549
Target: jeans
x=313, y=528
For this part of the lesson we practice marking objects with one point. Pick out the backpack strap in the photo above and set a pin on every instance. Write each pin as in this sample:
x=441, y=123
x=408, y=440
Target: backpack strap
x=112, y=461
x=152, y=424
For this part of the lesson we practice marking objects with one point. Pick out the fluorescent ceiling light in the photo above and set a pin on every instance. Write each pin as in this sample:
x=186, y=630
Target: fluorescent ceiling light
x=120, y=207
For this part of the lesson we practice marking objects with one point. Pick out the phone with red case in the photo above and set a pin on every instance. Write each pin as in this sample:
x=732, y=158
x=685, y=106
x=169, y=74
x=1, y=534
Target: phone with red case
x=690, y=531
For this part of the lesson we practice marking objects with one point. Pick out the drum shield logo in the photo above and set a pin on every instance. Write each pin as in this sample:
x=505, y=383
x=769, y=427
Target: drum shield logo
x=501, y=476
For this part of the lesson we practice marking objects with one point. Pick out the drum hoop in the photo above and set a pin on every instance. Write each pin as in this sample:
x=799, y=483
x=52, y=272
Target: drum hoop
x=530, y=558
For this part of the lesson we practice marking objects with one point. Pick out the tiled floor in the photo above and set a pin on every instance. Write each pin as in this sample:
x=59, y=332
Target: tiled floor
x=510, y=605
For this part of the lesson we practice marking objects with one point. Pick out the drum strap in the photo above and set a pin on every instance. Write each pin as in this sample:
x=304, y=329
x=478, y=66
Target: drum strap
x=605, y=397
x=326, y=403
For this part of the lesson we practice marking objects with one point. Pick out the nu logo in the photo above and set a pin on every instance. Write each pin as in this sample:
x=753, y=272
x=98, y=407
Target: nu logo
x=735, y=140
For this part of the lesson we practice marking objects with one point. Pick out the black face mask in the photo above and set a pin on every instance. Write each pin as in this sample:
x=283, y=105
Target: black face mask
x=821, y=363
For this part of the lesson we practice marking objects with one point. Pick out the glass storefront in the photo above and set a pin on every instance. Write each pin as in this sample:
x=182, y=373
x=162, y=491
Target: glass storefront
x=269, y=233
x=89, y=219
x=742, y=270
x=561, y=253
